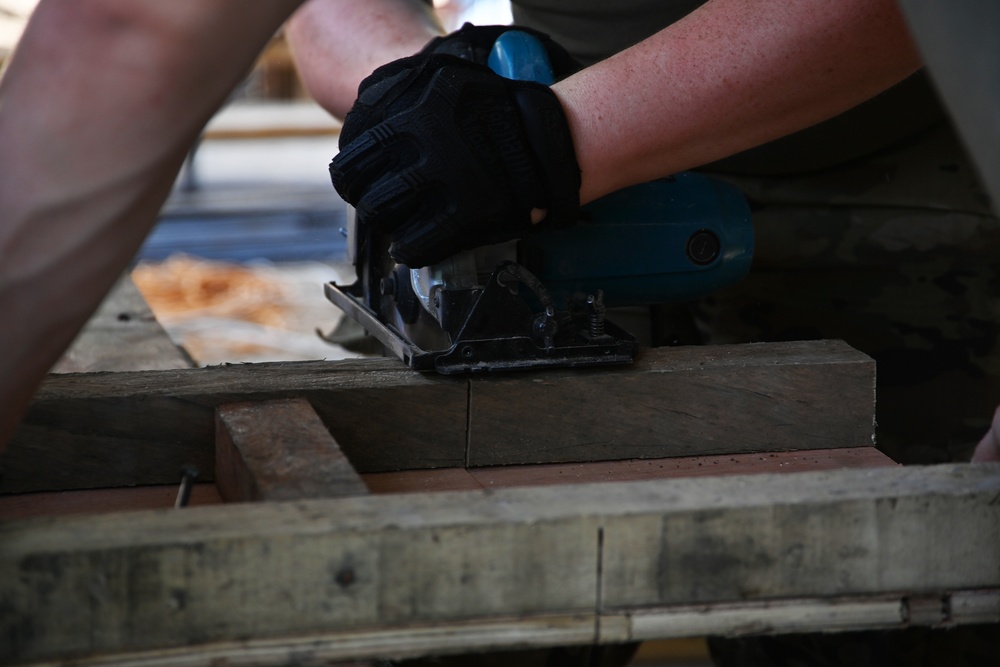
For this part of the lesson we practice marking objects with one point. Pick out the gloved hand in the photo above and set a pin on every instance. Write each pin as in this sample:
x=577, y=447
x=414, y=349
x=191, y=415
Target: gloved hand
x=444, y=155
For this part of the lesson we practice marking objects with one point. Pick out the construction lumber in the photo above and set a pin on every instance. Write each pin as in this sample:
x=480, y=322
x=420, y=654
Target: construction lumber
x=101, y=501
x=686, y=401
x=631, y=470
x=436, y=480
x=93, y=430
x=123, y=335
x=393, y=575
x=114, y=429
x=279, y=450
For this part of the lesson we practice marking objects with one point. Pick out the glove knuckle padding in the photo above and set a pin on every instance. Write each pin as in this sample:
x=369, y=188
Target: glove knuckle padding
x=458, y=158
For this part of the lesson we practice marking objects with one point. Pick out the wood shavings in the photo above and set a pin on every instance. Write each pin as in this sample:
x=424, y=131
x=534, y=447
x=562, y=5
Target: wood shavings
x=182, y=288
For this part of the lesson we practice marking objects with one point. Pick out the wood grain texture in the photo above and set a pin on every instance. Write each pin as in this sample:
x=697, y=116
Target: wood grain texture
x=113, y=429
x=422, y=481
x=168, y=579
x=685, y=466
x=279, y=450
x=122, y=335
x=101, y=501
x=92, y=430
x=737, y=619
x=680, y=401
x=632, y=470
x=56, y=503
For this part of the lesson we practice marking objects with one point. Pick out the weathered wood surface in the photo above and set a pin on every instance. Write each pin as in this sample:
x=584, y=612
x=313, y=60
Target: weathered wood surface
x=632, y=470
x=123, y=335
x=673, y=622
x=113, y=429
x=436, y=480
x=279, y=450
x=688, y=401
x=626, y=560
x=101, y=501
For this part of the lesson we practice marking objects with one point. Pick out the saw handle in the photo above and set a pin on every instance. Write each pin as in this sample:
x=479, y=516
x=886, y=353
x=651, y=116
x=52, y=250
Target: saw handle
x=519, y=56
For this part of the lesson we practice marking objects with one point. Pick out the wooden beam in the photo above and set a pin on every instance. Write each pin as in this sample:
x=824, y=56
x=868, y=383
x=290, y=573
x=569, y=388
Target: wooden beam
x=279, y=450
x=684, y=401
x=601, y=553
x=437, y=480
x=93, y=430
x=101, y=501
x=123, y=335
x=631, y=470
x=676, y=622
x=114, y=429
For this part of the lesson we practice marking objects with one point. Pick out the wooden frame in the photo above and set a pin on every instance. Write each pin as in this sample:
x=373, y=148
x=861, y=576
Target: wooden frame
x=529, y=566
x=302, y=580
x=94, y=430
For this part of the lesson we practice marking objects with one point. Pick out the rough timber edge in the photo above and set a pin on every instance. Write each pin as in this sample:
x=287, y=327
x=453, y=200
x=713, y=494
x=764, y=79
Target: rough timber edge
x=732, y=620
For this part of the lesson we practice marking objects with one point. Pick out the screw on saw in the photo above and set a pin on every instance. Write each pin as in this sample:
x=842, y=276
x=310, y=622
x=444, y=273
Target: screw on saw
x=189, y=474
x=597, y=311
x=703, y=247
x=545, y=327
x=387, y=286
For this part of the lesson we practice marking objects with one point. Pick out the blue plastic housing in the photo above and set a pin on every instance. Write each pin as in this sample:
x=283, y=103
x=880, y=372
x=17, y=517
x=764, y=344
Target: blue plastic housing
x=634, y=243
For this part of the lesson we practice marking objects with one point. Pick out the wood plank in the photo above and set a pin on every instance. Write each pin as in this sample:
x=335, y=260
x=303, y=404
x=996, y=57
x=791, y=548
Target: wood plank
x=23, y=506
x=826, y=614
x=493, y=477
x=689, y=401
x=329, y=649
x=101, y=501
x=167, y=579
x=123, y=335
x=738, y=619
x=94, y=430
x=421, y=481
x=113, y=429
x=685, y=466
x=279, y=450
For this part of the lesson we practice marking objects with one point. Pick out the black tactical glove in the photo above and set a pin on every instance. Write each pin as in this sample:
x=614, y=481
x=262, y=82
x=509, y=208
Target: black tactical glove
x=444, y=155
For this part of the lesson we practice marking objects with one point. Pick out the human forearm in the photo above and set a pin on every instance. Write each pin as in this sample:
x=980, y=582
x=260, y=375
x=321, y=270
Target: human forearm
x=732, y=75
x=97, y=110
x=337, y=43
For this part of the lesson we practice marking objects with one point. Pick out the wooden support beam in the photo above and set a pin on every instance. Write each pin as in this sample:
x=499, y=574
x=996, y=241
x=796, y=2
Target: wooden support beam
x=686, y=401
x=631, y=470
x=738, y=619
x=115, y=429
x=612, y=562
x=437, y=480
x=279, y=450
x=93, y=430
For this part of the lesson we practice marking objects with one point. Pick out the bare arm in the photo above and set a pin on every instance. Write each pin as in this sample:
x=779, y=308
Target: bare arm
x=988, y=449
x=337, y=43
x=730, y=76
x=98, y=108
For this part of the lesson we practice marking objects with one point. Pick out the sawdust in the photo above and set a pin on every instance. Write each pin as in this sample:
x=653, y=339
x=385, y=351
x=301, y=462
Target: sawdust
x=221, y=312
x=183, y=287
